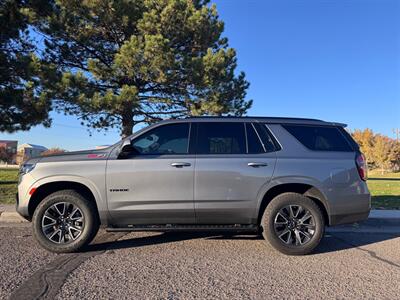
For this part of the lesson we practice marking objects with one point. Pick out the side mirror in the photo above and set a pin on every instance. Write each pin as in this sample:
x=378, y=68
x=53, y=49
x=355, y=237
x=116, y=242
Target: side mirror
x=126, y=149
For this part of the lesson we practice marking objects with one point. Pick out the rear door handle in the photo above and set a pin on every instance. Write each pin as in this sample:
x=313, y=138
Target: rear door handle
x=180, y=164
x=257, y=164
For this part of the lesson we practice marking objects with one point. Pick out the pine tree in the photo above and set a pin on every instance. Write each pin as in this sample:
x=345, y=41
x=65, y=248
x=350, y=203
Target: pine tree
x=23, y=103
x=131, y=61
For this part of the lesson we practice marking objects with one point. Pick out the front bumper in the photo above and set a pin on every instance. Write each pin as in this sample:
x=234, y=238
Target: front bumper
x=22, y=210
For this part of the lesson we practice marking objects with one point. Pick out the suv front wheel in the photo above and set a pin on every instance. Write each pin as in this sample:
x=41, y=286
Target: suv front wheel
x=293, y=224
x=65, y=221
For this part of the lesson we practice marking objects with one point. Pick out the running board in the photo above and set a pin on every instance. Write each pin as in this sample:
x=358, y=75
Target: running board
x=186, y=228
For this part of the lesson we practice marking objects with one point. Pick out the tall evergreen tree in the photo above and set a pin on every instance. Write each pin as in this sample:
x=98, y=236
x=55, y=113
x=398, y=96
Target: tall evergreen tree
x=23, y=103
x=129, y=61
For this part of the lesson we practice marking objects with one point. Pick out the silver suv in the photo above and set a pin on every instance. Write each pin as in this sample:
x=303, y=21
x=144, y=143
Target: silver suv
x=285, y=177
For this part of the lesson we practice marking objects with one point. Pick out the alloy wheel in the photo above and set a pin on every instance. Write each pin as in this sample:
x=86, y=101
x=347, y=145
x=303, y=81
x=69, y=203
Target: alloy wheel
x=63, y=222
x=294, y=225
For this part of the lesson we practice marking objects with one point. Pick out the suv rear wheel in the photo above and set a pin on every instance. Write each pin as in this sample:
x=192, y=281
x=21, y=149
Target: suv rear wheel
x=65, y=222
x=293, y=224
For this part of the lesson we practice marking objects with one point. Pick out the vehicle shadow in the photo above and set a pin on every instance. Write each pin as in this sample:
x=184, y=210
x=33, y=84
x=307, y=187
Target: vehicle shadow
x=165, y=238
x=338, y=241
x=332, y=241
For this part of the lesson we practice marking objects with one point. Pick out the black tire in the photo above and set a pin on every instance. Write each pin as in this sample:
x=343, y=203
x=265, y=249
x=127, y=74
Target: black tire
x=274, y=224
x=87, y=213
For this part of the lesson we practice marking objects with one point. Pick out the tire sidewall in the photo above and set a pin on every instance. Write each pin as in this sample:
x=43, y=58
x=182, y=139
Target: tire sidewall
x=90, y=225
x=267, y=223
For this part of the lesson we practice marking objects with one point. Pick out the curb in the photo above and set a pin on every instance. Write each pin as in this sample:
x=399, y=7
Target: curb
x=380, y=222
x=379, y=218
x=384, y=214
x=11, y=217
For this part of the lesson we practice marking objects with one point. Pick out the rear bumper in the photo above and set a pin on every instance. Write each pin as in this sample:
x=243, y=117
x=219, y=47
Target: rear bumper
x=356, y=208
x=349, y=218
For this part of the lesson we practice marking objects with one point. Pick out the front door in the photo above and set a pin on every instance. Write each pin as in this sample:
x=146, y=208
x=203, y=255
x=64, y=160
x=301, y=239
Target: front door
x=232, y=165
x=154, y=185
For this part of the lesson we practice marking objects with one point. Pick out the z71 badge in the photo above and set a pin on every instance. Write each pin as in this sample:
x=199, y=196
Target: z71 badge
x=119, y=190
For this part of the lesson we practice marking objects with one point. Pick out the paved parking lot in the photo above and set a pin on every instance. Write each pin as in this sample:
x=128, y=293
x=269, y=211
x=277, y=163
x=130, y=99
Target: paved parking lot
x=185, y=266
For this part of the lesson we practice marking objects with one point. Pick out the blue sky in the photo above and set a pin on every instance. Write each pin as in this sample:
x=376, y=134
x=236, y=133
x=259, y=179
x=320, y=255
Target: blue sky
x=332, y=60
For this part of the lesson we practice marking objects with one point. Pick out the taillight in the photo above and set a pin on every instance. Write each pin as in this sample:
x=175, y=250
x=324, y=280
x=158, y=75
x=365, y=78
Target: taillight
x=361, y=164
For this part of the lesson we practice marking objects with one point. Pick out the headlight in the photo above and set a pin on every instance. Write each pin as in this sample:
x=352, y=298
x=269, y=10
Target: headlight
x=26, y=168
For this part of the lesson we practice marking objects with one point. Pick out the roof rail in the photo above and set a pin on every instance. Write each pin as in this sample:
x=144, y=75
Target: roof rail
x=273, y=119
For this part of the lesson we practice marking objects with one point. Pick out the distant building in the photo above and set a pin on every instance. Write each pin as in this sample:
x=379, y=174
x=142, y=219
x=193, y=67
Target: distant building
x=26, y=151
x=9, y=150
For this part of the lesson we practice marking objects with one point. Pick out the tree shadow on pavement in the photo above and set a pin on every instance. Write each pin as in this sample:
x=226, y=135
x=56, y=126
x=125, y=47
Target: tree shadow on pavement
x=332, y=241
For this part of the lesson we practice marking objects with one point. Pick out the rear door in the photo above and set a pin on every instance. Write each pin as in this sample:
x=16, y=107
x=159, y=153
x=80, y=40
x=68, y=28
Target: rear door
x=155, y=184
x=232, y=164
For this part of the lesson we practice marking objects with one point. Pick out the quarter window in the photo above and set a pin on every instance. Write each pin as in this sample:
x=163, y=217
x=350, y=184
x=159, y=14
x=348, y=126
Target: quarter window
x=319, y=138
x=166, y=139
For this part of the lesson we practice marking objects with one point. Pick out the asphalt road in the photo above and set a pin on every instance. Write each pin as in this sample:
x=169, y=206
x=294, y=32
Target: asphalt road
x=351, y=265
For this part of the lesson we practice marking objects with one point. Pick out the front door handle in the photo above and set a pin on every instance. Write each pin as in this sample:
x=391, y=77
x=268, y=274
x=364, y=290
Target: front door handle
x=180, y=164
x=257, y=164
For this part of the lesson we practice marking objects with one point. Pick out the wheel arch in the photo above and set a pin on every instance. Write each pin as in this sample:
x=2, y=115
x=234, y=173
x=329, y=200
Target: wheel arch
x=48, y=188
x=305, y=189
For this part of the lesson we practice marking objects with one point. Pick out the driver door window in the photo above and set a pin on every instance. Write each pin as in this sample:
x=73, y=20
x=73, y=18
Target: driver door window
x=166, y=139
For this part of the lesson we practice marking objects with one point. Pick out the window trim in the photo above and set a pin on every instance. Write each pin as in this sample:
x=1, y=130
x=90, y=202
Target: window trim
x=259, y=138
x=245, y=136
x=193, y=138
x=275, y=143
x=188, y=144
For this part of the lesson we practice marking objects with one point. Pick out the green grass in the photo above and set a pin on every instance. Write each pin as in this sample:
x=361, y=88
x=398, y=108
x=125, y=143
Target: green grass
x=7, y=193
x=8, y=185
x=385, y=189
x=8, y=175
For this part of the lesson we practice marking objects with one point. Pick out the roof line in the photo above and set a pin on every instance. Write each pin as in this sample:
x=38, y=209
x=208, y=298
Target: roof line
x=253, y=117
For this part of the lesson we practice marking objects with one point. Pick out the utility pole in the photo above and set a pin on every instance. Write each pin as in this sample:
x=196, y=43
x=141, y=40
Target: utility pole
x=396, y=131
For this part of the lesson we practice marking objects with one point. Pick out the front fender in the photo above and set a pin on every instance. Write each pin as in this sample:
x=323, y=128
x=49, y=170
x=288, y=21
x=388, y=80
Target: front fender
x=97, y=194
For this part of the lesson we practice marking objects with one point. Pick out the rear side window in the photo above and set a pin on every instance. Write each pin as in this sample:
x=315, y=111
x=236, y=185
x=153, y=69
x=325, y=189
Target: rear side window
x=221, y=138
x=269, y=143
x=319, y=138
x=254, y=145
